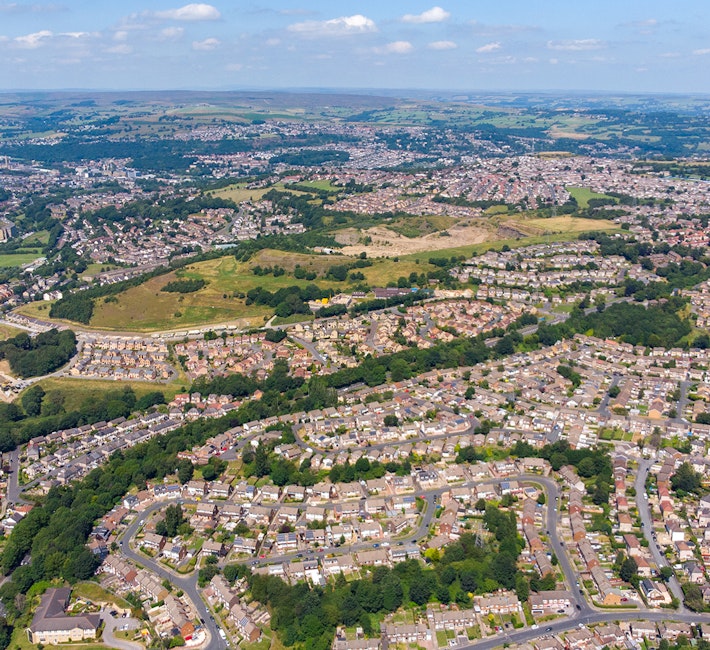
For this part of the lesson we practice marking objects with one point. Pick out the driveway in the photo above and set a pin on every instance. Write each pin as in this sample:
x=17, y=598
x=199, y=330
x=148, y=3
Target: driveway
x=112, y=624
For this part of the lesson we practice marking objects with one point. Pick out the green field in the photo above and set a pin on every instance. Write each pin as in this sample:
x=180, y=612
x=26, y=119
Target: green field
x=76, y=391
x=19, y=259
x=7, y=332
x=40, y=238
x=583, y=194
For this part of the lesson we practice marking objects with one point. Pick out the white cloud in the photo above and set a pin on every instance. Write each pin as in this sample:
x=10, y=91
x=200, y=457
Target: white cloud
x=702, y=52
x=273, y=42
x=34, y=40
x=433, y=15
x=356, y=24
x=207, y=45
x=235, y=67
x=17, y=8
x=442, y=45
x=120, y=35
x=396, y=47
x=191, y=13
x=121, y=48
x=171, y=33
x=578, y=45
x=489, y=47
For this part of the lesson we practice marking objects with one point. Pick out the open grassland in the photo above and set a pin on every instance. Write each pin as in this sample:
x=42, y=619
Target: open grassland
x=238, y=193
x=77, y=391
x=583, y=194
x=7, y=332
x=567, y=224
x=146, y=308
x=18, y=259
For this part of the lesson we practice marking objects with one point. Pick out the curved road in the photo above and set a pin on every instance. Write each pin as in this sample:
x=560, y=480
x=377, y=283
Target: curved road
x=188, y=584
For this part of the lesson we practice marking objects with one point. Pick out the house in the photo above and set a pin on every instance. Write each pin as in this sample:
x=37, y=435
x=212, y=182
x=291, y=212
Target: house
x=549, y=601
x=153, y=542
x=51, y=624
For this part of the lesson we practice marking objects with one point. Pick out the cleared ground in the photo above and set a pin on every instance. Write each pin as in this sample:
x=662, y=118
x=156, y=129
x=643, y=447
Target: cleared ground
x=387, y=243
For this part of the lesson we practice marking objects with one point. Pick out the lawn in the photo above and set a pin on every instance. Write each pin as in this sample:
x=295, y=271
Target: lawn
x=583, y=194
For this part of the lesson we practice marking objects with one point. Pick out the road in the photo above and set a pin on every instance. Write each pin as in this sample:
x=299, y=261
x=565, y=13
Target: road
x=188, y=584
x=644, y=510
x=13, y=482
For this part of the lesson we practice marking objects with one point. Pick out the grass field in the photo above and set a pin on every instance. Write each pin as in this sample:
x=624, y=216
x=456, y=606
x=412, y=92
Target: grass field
x=7, y=332
x=8, y=260
x=567, y=224
x=239, y=193
x=583, y=194
x=76, y=391
x=40, y=238
x=147, y=308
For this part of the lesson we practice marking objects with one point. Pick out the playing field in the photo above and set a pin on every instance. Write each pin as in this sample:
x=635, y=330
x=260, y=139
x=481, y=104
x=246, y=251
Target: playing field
x=583, y=194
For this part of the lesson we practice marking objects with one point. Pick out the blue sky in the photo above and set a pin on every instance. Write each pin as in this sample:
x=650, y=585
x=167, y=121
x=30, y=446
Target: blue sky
x=614, y=45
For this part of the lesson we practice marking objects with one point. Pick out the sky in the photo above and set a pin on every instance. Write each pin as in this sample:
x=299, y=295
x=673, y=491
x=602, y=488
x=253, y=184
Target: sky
x=466, y=45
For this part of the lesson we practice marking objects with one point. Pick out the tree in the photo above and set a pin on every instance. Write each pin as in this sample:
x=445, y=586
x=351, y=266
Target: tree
x=185, y=470
x=391, y=420
x=261, y=461
x=628, y=569
x=686, y=479
x=32, y=400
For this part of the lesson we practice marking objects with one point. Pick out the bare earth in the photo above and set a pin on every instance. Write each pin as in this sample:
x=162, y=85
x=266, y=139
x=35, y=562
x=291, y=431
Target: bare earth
x=386, y=243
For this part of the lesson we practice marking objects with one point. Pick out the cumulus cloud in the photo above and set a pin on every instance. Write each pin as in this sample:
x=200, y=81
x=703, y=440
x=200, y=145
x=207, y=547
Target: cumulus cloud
x=578, y=45
x=396, y=47
x=489, y=47
x=442, y=45
x=194, y=12
x=433, y=15
x=171, y=33
x=701, y=52
x=207, y=45
x=356, y=24
x=34, y=40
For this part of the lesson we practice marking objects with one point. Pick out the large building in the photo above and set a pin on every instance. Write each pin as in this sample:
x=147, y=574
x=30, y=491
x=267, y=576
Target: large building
x=52, y=625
